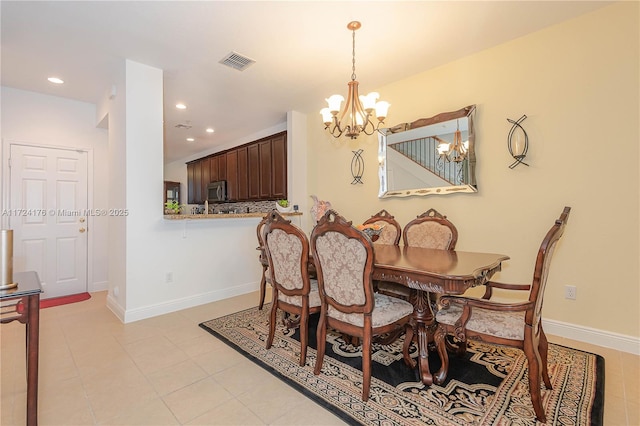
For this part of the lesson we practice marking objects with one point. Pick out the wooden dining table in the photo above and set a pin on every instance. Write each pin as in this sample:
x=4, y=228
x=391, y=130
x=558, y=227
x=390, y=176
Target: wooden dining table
x=427, y=271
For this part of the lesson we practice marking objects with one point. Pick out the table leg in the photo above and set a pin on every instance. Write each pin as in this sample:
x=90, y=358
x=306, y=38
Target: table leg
x=423, y=322
x=32, y=325
x=440, y=340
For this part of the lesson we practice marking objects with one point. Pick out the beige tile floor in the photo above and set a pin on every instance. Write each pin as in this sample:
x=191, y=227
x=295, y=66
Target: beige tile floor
x=94, y=370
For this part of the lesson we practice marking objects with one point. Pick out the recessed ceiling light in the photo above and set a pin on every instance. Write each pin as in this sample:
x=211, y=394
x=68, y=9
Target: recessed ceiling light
x=181, y=106
x=190, y=139
x=55, y=80
x=210, y=130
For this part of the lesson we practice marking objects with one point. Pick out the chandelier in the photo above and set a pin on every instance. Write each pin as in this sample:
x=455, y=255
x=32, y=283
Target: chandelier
x=357, y=112
x=455, y=151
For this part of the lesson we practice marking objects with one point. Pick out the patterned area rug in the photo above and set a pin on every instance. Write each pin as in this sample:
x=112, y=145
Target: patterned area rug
x=486, y=386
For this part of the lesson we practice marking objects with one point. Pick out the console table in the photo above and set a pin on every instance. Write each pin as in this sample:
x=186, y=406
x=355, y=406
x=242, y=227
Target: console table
x=23, y=304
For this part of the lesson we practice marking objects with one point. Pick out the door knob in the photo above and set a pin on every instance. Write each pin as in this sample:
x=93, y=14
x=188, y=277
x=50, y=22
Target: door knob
x=82, y=220
x=82, y=230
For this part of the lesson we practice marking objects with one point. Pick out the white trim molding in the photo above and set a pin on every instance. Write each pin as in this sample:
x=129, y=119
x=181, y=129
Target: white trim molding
x=150, y=311
x=593, y=336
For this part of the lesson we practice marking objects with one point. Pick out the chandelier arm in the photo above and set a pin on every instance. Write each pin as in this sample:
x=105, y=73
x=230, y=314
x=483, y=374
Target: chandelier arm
x=335, y=130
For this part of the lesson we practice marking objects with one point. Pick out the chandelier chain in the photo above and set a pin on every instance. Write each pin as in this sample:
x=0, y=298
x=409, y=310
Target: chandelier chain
x=353, y=57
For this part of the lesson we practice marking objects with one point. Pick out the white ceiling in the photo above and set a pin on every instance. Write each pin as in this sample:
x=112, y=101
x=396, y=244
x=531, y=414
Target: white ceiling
x=302, y=51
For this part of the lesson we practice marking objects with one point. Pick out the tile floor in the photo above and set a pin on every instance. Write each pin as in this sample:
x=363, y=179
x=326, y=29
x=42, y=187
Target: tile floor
x=94, y=370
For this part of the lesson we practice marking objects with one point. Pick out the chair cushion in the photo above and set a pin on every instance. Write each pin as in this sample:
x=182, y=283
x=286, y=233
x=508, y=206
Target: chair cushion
x=509, y=325
x=429, y=234
x=387, y=310
x=314, y=297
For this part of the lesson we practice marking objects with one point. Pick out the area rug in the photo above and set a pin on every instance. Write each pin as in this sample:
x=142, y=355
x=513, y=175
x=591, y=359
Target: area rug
x=486, y=386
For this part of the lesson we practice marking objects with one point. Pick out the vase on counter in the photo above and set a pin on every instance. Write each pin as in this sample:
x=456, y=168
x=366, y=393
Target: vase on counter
x=281, y=209
x=319, y=208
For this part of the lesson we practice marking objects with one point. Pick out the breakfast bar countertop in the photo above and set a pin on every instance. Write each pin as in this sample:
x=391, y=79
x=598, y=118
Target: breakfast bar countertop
x=222, y=215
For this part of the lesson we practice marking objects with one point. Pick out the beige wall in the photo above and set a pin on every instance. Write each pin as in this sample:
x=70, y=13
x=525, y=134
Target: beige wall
x=578, y=84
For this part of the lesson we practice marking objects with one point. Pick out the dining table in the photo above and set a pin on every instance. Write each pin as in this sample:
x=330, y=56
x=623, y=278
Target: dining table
x=424, y=271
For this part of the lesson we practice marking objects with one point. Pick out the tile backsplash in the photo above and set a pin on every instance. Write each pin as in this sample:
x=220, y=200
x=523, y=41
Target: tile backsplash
x=243, y=207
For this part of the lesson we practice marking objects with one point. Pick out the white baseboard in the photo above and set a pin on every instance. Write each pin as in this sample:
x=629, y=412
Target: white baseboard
x=114, y=307
x=593, y=336
x=589, y=335
x=98, y=286
x=137, y=314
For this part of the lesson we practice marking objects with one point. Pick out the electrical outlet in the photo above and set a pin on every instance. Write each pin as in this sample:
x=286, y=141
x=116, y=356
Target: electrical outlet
x=570, y=292
x=168, y=278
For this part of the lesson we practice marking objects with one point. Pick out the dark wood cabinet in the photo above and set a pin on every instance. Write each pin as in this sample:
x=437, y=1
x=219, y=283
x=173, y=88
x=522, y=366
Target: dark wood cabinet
x=255, y=171
x=218, y=167
x=205, y=178
x=191, y=185
x=264, y=149
x=279, y=166
x=232, y=175
x=197, y=183
x=243, y=176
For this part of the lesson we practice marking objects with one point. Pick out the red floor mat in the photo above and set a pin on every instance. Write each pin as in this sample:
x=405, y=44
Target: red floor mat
x=63, y=300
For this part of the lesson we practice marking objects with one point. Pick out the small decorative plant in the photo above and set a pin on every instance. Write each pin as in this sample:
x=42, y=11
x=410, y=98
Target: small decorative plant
x=173, y=207
x=283, y=206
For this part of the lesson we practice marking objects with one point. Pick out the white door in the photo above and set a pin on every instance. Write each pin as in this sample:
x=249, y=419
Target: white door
x=48, y=208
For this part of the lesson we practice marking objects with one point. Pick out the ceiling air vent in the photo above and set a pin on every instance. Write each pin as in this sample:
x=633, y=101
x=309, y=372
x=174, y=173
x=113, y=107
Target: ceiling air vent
x=237, y=61
x=182, y=126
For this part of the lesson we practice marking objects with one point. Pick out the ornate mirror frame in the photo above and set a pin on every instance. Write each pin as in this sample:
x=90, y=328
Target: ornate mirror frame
x=425, y=177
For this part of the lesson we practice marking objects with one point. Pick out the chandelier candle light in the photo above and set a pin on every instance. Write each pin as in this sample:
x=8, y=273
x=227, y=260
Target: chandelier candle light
x=356, y=115
x=456, y=151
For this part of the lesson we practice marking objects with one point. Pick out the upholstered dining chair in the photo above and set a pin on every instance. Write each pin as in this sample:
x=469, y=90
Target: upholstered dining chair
x=511, y=324
x=390, y=234
x=430, y=230
x=262, y=258
x=344, y=261
x=287, y=251
x=391, y=231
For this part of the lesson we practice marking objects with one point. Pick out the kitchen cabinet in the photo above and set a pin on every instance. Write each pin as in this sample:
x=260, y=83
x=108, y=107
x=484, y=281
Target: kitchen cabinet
x=254, y=171
x=205, y=178
x=218, y=168
x=279, y=166
x=264, y=150
x=231, y=158
x=197, y=183
x=243, y=176
x=191, y=179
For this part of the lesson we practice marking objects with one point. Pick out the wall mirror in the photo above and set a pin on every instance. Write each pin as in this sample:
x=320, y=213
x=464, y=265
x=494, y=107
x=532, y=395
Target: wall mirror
x=433, y=155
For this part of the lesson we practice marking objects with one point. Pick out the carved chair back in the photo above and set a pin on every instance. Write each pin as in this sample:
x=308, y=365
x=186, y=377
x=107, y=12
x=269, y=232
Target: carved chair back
x=431, y=230
x=391, y=230
x=287, y=252
x=344, y=263
x=512, y=324
x=541, y=269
